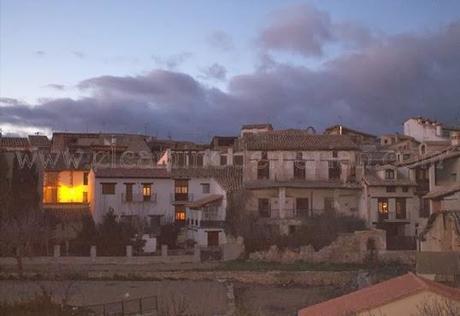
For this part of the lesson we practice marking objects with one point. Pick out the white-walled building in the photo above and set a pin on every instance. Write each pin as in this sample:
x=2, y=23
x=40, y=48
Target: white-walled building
x=424, y=129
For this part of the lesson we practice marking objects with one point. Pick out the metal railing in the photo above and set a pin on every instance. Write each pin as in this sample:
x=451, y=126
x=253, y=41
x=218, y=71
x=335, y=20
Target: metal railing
x=295, y=213
x=138, y=198
x=139, y=306
x=181, y=197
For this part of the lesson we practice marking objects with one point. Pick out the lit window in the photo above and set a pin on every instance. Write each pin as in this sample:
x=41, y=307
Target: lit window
x=180, y=214
x=85, y=178
x=382, y=208
x=147, y=191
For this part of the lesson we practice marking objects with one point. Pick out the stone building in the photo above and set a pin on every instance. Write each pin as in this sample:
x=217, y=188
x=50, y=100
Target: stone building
x=292, y=175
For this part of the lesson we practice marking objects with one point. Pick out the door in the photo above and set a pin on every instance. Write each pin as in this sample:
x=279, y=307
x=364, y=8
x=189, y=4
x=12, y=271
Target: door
x=302, y=207
x=213, y=239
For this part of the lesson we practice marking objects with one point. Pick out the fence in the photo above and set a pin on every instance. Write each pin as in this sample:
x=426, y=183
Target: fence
x=138, y=306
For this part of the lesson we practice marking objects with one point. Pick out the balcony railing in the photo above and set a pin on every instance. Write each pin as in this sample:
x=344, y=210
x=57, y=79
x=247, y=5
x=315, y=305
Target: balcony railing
x=181, y=197
x=295, y=213
x=393, y=216
x=138, y=198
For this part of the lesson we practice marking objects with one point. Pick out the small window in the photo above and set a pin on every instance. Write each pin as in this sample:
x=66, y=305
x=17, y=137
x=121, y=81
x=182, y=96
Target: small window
x=405, y=189
x=382, y=205
x=264, y=155
x=147, y=191
x=223, y=160
x=205, y=187
x=108, y=188
x=129, y=192
x=238, y=160
x=335, y=154
x=391, y=189
x=180, y=214
x=199, y=160
x=299, y=156
x=264, y=207
x=85, y=178
x=389, y=174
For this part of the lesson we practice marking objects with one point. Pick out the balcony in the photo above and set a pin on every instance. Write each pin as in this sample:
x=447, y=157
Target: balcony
x=138, y=198
x=393, y=217
x=178, y=198
x=294, y=213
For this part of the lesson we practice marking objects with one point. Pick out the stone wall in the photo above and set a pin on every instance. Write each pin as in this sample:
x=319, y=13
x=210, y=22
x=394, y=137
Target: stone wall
x=347, y=248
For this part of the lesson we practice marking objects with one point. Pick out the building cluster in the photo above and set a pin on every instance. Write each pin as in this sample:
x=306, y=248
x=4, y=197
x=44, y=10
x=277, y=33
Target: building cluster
x=394, y=182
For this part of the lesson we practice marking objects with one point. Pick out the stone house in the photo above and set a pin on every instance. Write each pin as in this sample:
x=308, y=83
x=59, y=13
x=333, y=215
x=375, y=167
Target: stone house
x=357, y=136
x=292, y=175
x=389, y=203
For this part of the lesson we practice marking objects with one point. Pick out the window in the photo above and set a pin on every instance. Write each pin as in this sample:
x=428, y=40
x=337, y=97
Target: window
x=263, y=169
x=334, y=170
x=129, y=192
x=425, y=209
x=205, y=187
x=382, y=205
x=299, y=170
x=329, y=204
x=401, y=208
x=223, y=160
x=238, y=160
x=302, y=207
x=391, y=189
x=264, y=207
x=299, y=156
x=264, y=155
x=292, y=229
x=199, y=160
x=180, y=214
x=335, y=154
x=405, y=189
x=108, y=188
x=85, y=178
x=181, y=190
x=389, y=174
x=147, y=191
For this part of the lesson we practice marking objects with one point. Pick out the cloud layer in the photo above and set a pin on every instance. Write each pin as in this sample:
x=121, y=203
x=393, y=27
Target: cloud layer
x=374, y=87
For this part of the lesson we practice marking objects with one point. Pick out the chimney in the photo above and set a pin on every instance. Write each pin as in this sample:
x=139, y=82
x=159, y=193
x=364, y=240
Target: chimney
x=455, y=138
x=439, y=130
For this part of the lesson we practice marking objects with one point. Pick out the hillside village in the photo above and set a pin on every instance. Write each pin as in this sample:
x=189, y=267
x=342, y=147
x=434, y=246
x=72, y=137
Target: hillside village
x=398, y=194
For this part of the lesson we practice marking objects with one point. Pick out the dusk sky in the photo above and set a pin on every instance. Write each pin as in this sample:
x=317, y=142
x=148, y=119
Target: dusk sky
x=193, y=69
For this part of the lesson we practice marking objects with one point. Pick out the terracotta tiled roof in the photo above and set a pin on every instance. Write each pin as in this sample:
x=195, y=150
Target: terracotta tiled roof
x=132, y=173
x=266, y=184
x=371, y=179
x=346, y=129
x=446, y=153
x=443, y=191
x=229, y=178
x=297, y=140
x=39, y=141
x=379, y=295
x=212, y=198
x=257, y=126
x=17, y=142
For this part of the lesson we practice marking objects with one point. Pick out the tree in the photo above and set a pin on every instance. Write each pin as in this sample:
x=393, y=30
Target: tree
x=21, y=234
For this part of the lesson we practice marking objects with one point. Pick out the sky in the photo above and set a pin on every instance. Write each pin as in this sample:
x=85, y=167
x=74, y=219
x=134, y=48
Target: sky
x=194, y=69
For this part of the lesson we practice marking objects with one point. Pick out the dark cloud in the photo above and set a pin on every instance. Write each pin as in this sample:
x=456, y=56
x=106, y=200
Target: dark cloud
x=305, y=30
x=220, y=40
x=215, y=71
x=373, y=88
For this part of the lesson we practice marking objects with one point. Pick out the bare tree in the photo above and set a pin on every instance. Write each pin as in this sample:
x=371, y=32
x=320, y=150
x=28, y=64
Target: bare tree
x=20, y=234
